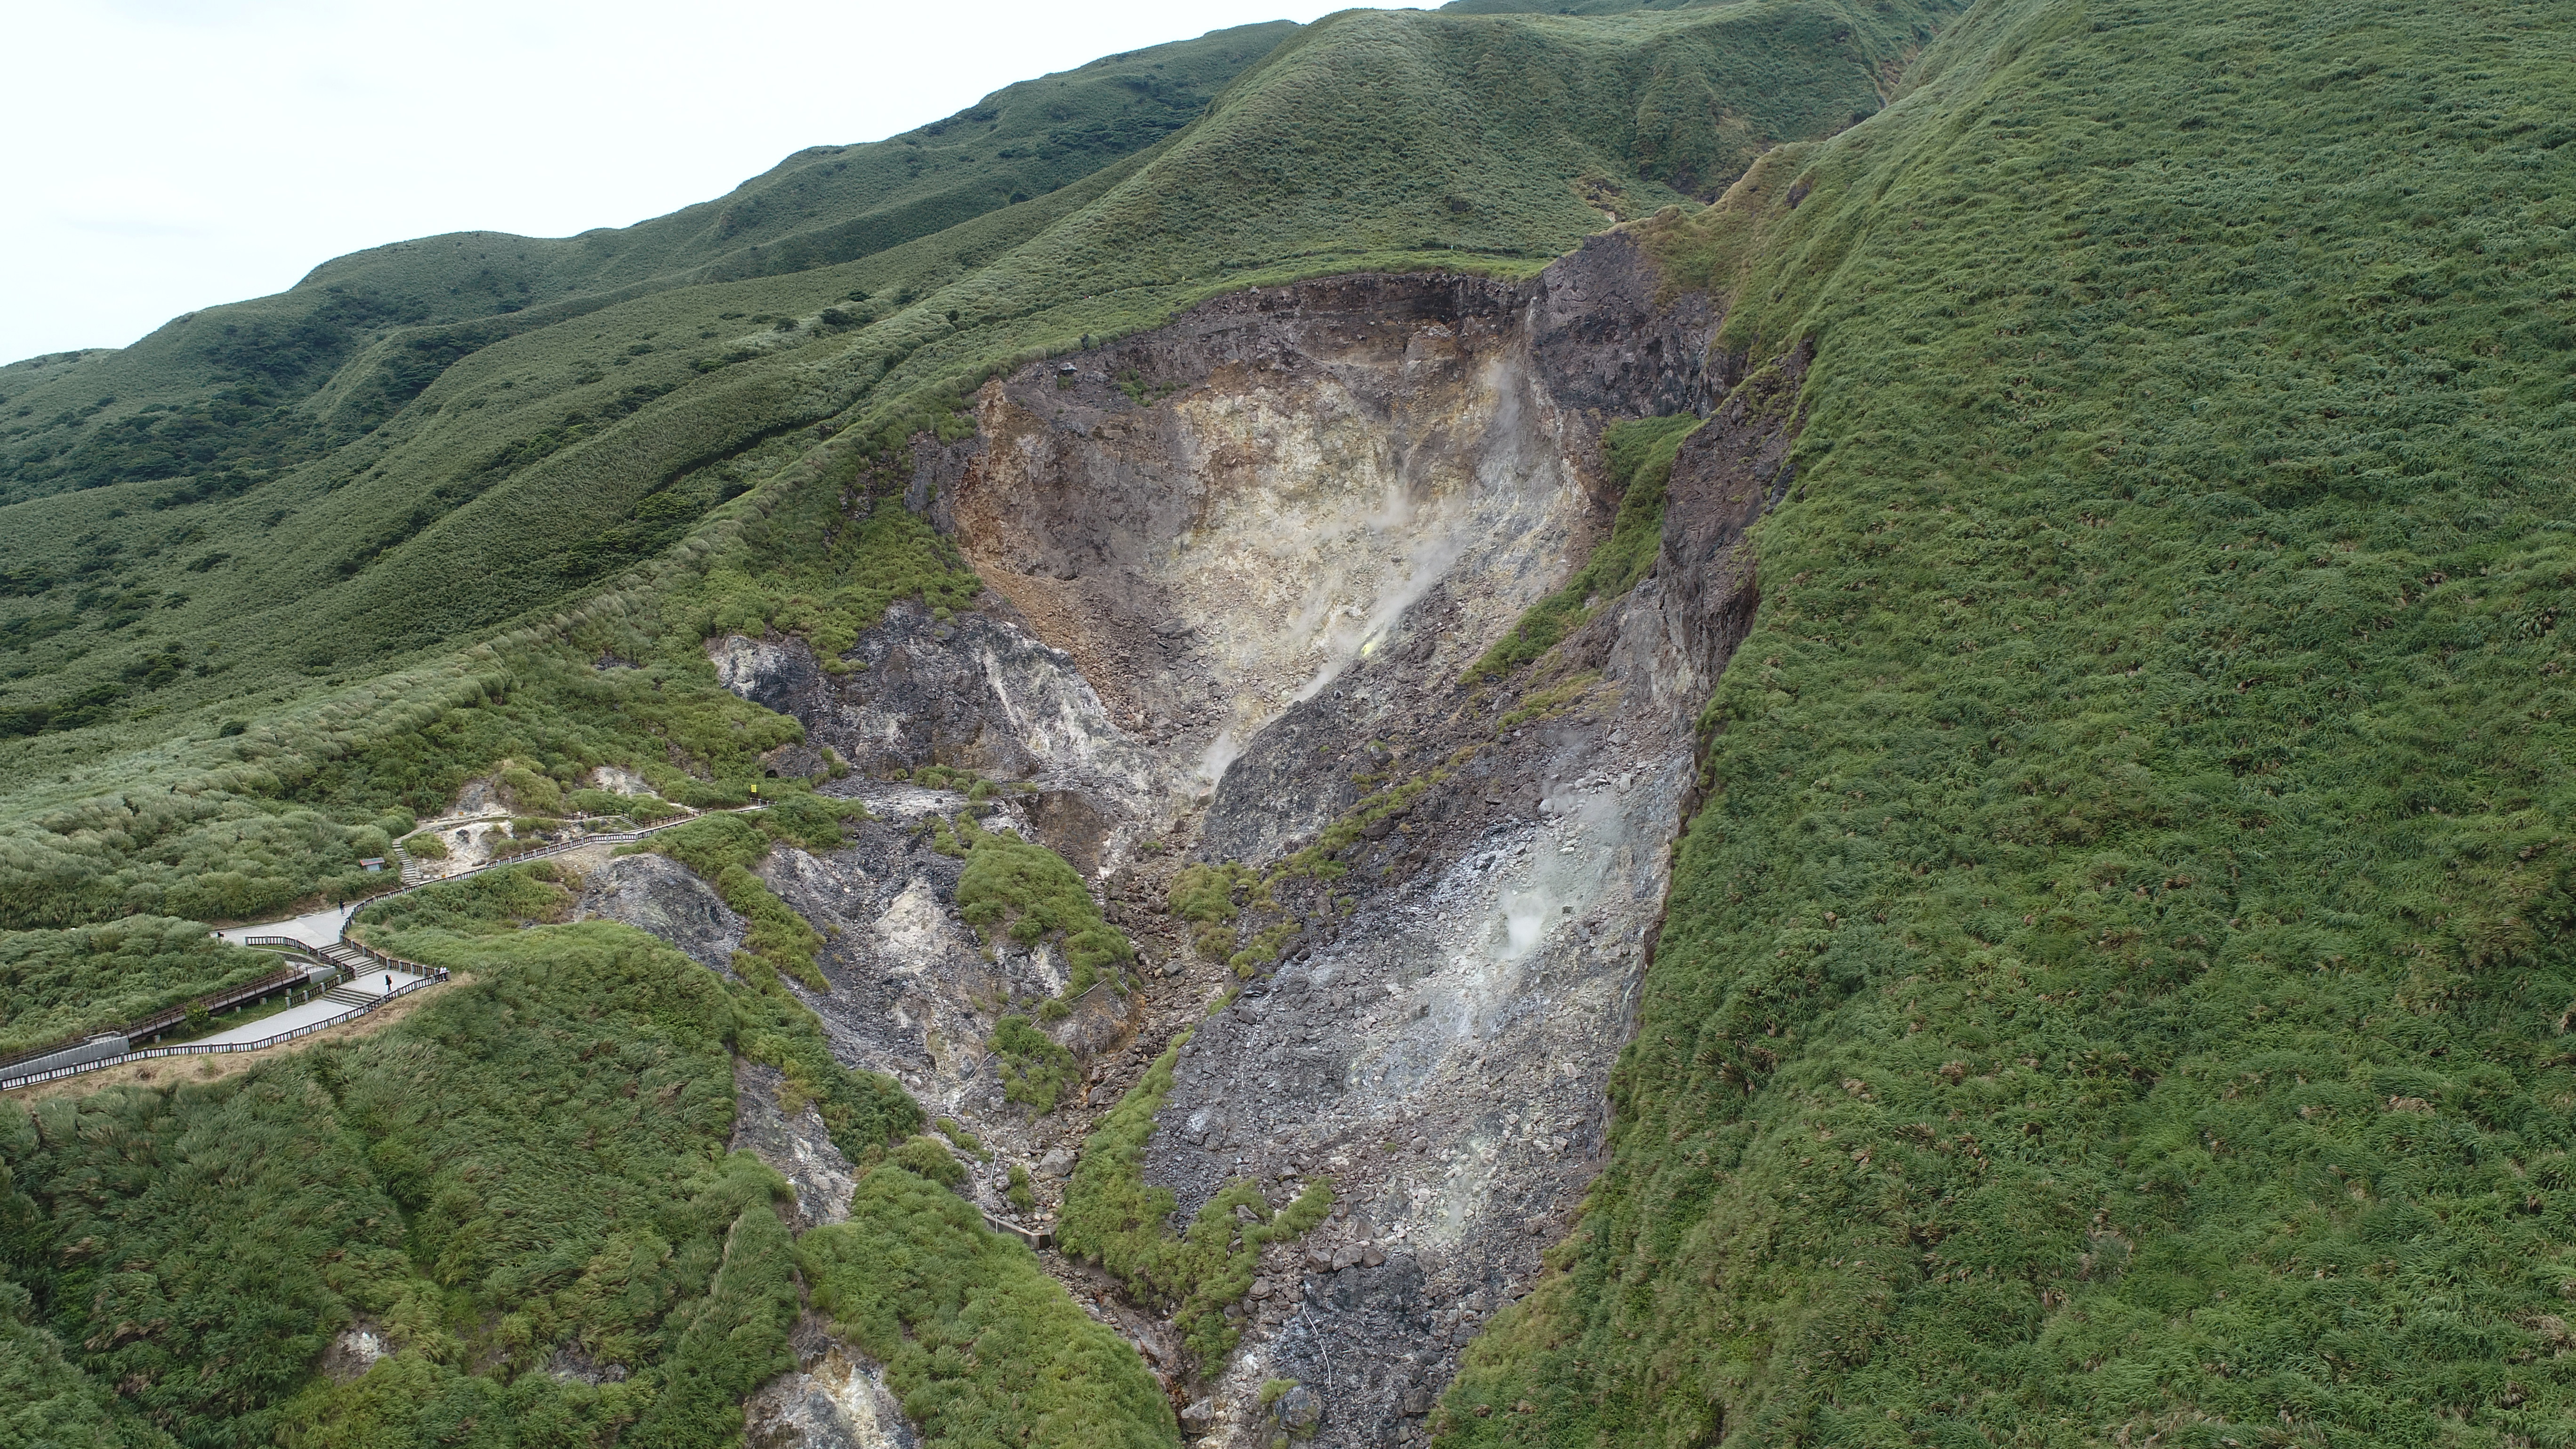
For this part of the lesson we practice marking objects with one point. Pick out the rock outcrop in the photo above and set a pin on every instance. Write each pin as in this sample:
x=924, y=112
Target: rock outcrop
x=794, y=1144
x=835, y=1399
x=656, y=894
x=1238, y=569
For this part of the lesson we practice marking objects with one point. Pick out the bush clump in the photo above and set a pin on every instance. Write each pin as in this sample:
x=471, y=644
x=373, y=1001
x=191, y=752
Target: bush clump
x=928, y=1158
x=1023, y=889
x=486, y=903
x=1035, y=1070
x=979, y=1344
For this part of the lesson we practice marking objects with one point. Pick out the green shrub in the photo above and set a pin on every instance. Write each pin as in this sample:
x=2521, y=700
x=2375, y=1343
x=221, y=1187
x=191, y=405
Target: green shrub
x=1204, y=896
x=428, y=845
x=1035, y=1071
x=928, y=1158
x=730, y=1342
x=531, y=791
x=799, y=817
x=775, y=936
x=597, y=802
x=1023, y=889
x=531, y=1158
x=710, y=846
x=487, y=903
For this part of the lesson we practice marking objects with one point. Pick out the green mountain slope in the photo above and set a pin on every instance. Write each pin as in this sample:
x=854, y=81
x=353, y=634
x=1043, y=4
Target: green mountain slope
x=389, y=541
x=2117, y=987
x=541, y=464
x=2117, y=991
x=820, y=206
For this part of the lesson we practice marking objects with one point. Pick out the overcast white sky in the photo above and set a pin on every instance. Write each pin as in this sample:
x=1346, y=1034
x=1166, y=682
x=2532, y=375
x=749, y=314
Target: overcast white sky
x=162, y=155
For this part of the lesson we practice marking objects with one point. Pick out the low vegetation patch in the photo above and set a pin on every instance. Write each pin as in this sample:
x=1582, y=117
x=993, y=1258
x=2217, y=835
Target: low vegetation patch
x=486, y=903
x=1035, y=1070
x=1021, y=889
x=979, y=1344
x=1113, y=1218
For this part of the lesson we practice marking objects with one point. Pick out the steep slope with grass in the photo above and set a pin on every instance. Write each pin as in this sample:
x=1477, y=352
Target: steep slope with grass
x=421, y=491
x=240, y=386
x=511, y=1218
x=2116, y=991
x=2115, y=978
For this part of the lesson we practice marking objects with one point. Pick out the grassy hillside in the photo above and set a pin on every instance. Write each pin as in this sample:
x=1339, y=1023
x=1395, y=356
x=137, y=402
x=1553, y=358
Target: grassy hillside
x=402, y=312
x=173, y=515
x=2118, y=988
x=524, y=1180
x=189, y=677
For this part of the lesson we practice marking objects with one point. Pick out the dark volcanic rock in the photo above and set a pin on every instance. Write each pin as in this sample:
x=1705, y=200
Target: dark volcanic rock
x=659, y=895
x=796, y=1145
x=1237, y=607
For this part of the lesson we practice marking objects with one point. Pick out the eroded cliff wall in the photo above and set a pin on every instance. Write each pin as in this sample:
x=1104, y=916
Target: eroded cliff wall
x=1238, y=572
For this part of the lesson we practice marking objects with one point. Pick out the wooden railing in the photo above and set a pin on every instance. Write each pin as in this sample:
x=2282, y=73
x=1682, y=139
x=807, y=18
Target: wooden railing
x=168, y=1017
x=430, y=975
x=161, y=1021
x=247, y=991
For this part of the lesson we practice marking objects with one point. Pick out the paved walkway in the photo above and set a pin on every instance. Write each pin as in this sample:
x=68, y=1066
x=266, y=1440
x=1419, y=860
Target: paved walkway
x=372, y=984
x=321, y=928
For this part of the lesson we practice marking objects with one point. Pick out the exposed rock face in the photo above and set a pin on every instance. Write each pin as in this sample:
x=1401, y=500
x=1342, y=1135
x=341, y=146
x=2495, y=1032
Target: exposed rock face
x=1246, y=560
x=1465, y=1013
x=978, y=692
x=914, y=988
x=834, y=1400
x=659, y=895
x=794, y=1144
x=1337, y=452
x=916, y=993
x=355, y=1350
x=1727, y=473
